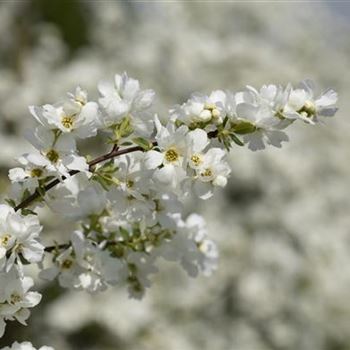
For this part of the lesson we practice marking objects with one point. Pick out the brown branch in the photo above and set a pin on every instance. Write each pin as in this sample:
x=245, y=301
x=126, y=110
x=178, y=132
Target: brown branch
x=114, y=153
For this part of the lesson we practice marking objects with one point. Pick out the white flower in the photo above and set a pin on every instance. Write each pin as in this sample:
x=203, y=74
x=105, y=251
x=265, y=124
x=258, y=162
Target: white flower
x=213, y=171
x=76, y=197
x=191, y=247
x=170, y=160
x=141, y=266
x=57, y=152
x=130, y=197
x=35, y=169
x=259, y=111
x=85, y=266
x=197, y=141
x=99, y=267
x=18, y=236
x=303, y=105
x=204, y=109
x=15, y=298
x=65, y=268
x=124, y=98
x=208, y=251
x=76, y=115
x=25, y=346
x=167, y=210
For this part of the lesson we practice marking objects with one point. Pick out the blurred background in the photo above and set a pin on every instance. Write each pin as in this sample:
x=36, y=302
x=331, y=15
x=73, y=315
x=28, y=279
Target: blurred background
x=282, y=224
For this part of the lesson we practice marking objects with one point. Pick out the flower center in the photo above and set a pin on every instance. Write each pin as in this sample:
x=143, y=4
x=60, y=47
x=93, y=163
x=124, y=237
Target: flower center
x=207, y=172
x=67, y=121
x=129, y=183
x=196, y=159
x=171, y=155
x=15, y=298
x=67, y=264
x=52, y=156
x=309, y=109
x=4, y=240
x=36, y=172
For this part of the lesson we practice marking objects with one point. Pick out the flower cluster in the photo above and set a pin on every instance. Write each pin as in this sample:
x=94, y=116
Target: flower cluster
x=25, y=346
x=129, y=203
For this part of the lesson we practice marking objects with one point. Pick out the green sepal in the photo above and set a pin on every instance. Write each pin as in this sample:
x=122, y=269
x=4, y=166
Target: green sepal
x=243, y=127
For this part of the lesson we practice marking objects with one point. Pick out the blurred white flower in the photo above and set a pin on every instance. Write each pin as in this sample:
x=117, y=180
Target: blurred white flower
x=18, y=238
x=25, y=346
x=15, y=298
x=124, y=98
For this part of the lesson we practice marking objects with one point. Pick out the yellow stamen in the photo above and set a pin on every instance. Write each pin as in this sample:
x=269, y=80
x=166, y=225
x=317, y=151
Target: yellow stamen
x=36, y=172
x=67, y=121
x=171, y=155
x=196, y=159
x=52, y=156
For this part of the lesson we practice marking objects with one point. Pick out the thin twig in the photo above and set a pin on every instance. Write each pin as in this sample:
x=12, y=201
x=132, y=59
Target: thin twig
x=114, y=153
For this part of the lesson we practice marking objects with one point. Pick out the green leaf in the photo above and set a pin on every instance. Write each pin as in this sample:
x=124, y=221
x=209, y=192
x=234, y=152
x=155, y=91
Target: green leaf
x=125, y=128
x=145, y=144
x=126, y=143
x=10, y=202
x=236, y=140
x=41, y=191
x=27, y=211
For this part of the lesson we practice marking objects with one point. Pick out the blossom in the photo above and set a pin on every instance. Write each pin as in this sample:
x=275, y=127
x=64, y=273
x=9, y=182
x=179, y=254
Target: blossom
x=191, y=247
x=131, y=194
x=303, y=105
x=15, y=298
x=124, y=98
x=201, y=108
x=170, y=160
x=258, y=113
x=76, y=115
x=35, y=169
x=18, y=237
x=77, y=197
x=212, y=171
x=85, y=266
x=140, y=266
x=128, y=204
x=57, y=153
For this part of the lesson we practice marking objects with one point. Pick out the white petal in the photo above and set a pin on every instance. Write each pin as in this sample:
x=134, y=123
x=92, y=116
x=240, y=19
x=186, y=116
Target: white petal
x=33, y=251
x=246, y=111
x=198, y=140
x=49, y=274
x=153, y=159
x=144, y=99
x=17, y=174
x=105, y=88
x=31, y=299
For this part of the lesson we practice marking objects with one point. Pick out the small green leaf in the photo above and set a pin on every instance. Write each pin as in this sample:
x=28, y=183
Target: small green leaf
x=236, y=140
x=145, y=144
x=27, y=211
x=10, y=202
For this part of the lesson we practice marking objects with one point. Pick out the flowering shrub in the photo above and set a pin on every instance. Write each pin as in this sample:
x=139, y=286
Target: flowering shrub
x=129, y=202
